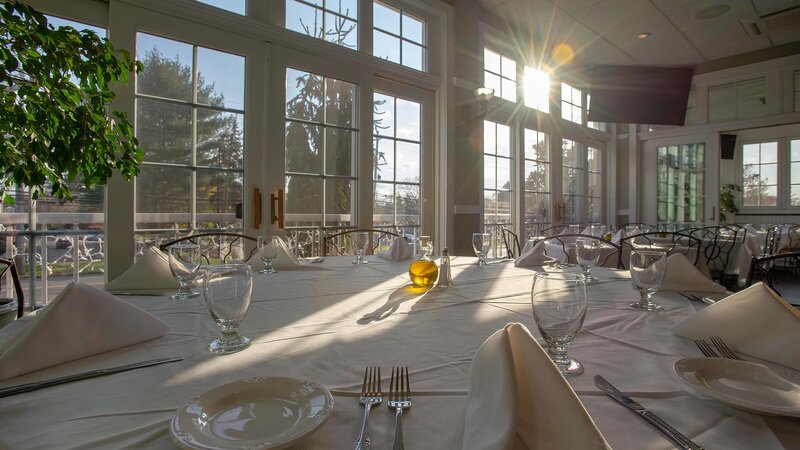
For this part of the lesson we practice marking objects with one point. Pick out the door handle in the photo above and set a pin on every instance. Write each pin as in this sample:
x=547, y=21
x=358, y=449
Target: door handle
x=713, y=213
x=276, y=206
x=256, y=208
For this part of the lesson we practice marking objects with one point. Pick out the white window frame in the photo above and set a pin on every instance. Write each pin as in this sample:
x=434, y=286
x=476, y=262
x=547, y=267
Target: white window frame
x=783, y=136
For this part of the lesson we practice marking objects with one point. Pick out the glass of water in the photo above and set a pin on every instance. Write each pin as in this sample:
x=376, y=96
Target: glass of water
x=481, y=243
x=184, y=262
x=267, y=252
x=587, y=253
x=228, y=289
x=647, y=272
x=359, y=243
x=559, y=307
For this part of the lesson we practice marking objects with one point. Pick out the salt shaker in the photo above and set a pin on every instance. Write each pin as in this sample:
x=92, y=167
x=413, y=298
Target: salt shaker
x=445, y=278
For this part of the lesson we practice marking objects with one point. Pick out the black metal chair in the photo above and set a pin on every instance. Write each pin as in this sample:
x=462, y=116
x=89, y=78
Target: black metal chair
x=642, y=227
x=339, y=244
x=511, y=241
x=718, y=242
x=222, y=247
x=554, y=230
x=11, y=308
x=664, y=241
x=610, y=253
x=764, y=268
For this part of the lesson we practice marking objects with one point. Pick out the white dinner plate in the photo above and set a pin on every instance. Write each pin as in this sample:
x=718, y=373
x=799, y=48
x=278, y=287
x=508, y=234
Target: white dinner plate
x=254, y=413
x=745, y=385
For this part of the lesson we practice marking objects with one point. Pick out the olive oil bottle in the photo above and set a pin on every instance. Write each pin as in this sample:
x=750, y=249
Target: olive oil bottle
x=423, y=272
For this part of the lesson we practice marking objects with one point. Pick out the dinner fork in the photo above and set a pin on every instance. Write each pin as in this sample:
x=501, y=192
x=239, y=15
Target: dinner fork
x=399, y=399
x=370, y=395
x=723, y=348
x=705, y=348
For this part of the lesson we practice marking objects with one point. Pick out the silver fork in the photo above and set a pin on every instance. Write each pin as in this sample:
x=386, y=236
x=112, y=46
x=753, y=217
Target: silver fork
x=370, y=395
x=706, y=348
x=723, y=348
x=399, y=399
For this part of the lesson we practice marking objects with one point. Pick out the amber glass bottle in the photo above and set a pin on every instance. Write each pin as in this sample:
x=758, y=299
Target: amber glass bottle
x=423, y=272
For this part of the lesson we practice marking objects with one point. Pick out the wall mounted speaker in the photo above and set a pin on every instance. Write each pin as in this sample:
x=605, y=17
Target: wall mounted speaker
x=727, y=145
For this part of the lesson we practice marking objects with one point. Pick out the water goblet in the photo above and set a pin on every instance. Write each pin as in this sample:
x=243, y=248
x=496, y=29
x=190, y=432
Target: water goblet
x=267, y=252
x=359, y=244
x=647, y=272
x=227, y=289
x=587, y=253
x=559, y=307
x=184, y=262
x=481, y=243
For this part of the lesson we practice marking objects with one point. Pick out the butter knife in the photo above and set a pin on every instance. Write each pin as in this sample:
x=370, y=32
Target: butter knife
x=27, y=387
x=671, y=433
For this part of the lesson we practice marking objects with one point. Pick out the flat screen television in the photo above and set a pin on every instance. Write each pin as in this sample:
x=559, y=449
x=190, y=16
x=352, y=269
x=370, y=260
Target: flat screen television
x=634, y=94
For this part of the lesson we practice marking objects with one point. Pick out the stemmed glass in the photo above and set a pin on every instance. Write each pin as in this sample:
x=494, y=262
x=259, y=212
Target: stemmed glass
x=359, y=244
x=559, y=307
x=184, y=262
x=481, y=243
x=227, y=289
x=647, y=271
x=587, y=253
x=267, y=252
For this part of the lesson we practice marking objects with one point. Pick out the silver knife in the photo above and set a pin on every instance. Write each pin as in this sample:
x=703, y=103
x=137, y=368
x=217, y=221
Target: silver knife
x=27, y=387
x=671, y=433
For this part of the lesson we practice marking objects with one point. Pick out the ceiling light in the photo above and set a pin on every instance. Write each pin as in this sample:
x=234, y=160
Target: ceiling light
x=643, y=35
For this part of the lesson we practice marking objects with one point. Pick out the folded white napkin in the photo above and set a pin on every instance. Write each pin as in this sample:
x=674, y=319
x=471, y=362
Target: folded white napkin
x=588, y=230
x=81, y=321
x=150, y=273
x=518, y=399
x=399, y=250
x=755, y=321
x=682, y=275
x=285, y=258
x=618, y=236
x=535, y=256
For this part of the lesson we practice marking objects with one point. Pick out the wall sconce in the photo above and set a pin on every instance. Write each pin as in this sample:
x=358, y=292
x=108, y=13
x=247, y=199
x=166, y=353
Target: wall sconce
x=484, y=95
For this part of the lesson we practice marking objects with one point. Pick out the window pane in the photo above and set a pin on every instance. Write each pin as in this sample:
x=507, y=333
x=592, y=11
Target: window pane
x=303, y=148
x=503, y=140
x=167, y=67
x=407, y=204
x=219, y=139
x=304, y=19
x=338, y=202
x=489, y=137
x=489, y=172
x=386, y=46
x=536, y=146
x=509, y=68
x=769, y=173
x=235, y=6
x=407, y=162
x=163, y=197
x=383, y=204
x=769, y=152
x=413, y=55
x=218, y=193
x=769, y=195
x=220, y=79
x=347, y=8
x=750, y=154
x=386, y=18
x=303, y=95
x=303, y=200
x=339, y=153
x=413, y=29
x=594, y=185
x=341, y=31
x=383, y=120
x=489, y=206
x=795, y=172
x=509, y=90
x=164, y=131
x=408, y=120
x=384, y=160
x=491, y=61
x=537, y=176
x=795, y=150
x=795, y=195
x=339, y=98
x=492, y=81
x=537, y=89
x=504, y=207
x=503, y=173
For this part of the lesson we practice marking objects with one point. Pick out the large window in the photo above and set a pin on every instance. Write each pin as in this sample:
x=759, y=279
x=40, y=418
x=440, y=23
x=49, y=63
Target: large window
x=500, y=74
x=681, y=183
x=537, y=89
x=537, y=181
x=794, y=173
x=321, y=150
x=738, y=100
x=594, y=165
x=335, y=21
x=571, y=101
x=573, y=181
x=398, y=37
x=189, y=122
x=760, y=174
x=497, y=187
x=396, y=161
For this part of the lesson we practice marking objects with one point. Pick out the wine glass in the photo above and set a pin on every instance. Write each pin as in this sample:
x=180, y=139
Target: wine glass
x=647, y=271
x=587, y=253
x=184, y=262
x=267, y=252
x=359, y=244
x=559, y=307
x=227, y=289
x=481, y=243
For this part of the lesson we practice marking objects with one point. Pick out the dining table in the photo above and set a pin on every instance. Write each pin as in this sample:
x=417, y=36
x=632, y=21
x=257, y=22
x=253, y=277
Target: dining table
x=326, y=322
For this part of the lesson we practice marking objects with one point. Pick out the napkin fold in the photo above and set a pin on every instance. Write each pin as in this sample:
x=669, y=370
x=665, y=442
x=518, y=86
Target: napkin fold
x=285, y=258
x=81, y=321
x=535, y=256
x=150, y=273
x=618, y=236
x=399, y=250
x=682, y=275
x=519, y=400
x=755, y=321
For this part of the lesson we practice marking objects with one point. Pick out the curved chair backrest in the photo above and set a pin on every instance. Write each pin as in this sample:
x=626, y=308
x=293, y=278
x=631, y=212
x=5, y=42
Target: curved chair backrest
x=220, y=247
x=340, y=243
x=554, y=230
x=718, y=242
x=772, y=240
x=610, y=253
x=666, y=241
x=793, y=237
x=511, y=241
x=9, y=266
x=763, y=267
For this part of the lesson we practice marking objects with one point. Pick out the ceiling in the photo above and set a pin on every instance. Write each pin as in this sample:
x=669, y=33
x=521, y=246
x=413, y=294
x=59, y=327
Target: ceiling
x=682, y=32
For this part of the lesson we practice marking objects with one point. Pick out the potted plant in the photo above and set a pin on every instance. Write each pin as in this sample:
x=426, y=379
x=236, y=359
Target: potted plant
x=727, y=200
x=55, y=126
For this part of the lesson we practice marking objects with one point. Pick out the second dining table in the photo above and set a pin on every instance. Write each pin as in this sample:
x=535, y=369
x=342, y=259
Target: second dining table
x=328, y=321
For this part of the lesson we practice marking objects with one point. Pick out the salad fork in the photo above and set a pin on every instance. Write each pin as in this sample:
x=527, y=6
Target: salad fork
x=723, y=348
x=370, y=395
x=399, y=399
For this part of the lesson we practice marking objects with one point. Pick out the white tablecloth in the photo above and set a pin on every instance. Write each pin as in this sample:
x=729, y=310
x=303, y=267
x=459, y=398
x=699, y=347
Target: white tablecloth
x=327, y=322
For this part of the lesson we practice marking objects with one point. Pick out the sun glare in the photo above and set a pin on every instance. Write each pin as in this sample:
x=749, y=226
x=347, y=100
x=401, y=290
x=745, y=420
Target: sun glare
x=537, y=89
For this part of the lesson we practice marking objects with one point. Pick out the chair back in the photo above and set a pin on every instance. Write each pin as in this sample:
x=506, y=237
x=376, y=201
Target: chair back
x=340, y=244
x=554, y=230
x=717, y=243
x=666, y=241
x=218, y=247
x=511, y=242
x=763, y=267
x=11, y=308
x=642, y=227
x=564, y=246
